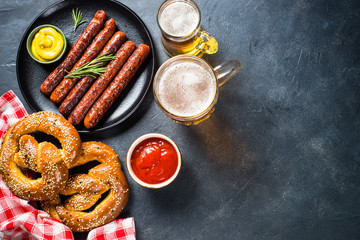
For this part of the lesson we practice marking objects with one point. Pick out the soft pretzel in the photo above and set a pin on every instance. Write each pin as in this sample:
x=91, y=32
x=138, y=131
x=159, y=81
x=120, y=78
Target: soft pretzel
x=86, y=190
x=97, y=151
x=20, y=149
x=26, y=157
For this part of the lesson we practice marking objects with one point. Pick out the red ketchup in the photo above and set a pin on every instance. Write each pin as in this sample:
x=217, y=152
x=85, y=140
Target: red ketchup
x=154, y=160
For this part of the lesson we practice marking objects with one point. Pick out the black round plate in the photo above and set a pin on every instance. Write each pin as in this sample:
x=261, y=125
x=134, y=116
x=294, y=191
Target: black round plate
x=32, y=74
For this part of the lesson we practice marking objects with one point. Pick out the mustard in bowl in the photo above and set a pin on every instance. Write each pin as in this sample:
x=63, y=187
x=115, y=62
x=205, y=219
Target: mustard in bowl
x=46, y=44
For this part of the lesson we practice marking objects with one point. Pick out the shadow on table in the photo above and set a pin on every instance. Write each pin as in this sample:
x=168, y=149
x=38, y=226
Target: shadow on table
x=172, y=197
x=230, y=155
x=225, y=144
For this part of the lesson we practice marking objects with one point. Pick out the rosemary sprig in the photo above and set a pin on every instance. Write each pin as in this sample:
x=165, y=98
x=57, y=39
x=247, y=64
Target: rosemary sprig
x=93, y=68
x=77, y=17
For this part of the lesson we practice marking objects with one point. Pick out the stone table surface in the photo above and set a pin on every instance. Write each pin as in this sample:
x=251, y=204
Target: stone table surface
x=280, y=156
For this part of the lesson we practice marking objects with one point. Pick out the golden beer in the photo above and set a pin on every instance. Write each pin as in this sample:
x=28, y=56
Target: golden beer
x=179, y=22
x=186, y=87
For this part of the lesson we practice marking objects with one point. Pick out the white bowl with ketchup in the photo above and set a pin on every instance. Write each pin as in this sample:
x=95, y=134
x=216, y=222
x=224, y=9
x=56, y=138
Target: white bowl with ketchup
x=153, y=160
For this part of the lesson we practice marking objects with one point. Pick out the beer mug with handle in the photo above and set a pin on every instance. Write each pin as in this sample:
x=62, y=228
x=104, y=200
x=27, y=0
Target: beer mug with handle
x=179, y=22
x=186, y=87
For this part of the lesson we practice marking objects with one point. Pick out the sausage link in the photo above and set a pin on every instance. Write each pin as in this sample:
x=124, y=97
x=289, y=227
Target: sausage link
x=75, y=53
x=78, y=91
x=91, y=52
x=79, y=112
x=116, y=87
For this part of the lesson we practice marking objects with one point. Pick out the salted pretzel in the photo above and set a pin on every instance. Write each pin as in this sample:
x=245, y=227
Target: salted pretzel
x=19, y=149
x=85, y=190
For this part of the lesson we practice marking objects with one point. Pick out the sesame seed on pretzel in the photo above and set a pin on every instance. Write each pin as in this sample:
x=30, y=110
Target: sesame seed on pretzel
x=19, y=149
x=85, y=190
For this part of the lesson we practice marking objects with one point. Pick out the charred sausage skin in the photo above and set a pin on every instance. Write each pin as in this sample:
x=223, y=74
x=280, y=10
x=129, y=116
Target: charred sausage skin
x=75, y=53
x=112, y=92
x=78, y=91
x=91, y=52
x=79, y=112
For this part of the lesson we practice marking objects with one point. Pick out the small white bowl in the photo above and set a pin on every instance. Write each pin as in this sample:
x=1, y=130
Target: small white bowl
x=135, y=144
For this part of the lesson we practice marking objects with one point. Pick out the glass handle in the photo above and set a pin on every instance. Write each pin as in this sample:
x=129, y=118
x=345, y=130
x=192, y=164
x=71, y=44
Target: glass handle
x=227, y=70
x=206, y=43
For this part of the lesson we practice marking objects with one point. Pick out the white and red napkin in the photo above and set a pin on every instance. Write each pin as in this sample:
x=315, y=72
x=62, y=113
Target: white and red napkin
x=20, y=220
x=11, y=111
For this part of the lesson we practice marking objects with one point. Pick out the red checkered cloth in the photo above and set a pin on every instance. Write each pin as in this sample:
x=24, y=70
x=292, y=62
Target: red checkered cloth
x=20, y=220
x=11, y=111
x=121, y=229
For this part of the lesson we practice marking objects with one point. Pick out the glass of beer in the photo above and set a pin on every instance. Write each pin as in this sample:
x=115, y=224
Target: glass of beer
x=186, y=87
x=179, y=22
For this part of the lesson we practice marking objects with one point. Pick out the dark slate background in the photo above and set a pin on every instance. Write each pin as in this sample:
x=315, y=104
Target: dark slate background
x=280, y=156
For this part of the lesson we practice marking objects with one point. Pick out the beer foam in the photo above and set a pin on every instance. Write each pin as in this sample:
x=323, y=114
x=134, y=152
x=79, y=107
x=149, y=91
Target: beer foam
x=179, y=19
x=186, y=89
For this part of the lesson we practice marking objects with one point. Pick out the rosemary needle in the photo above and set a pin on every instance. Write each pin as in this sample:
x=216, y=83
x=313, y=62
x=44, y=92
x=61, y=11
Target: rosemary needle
x=93, y=68
x=77, y=17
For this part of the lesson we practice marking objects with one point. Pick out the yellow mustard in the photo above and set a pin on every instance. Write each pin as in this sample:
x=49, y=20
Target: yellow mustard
x=47, y=44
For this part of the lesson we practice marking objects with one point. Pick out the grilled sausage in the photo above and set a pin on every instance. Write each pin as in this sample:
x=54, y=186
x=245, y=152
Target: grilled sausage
x=75, y=53
x=79, y=112
x=91, y=52
x=78, y=91
x=116, y=87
